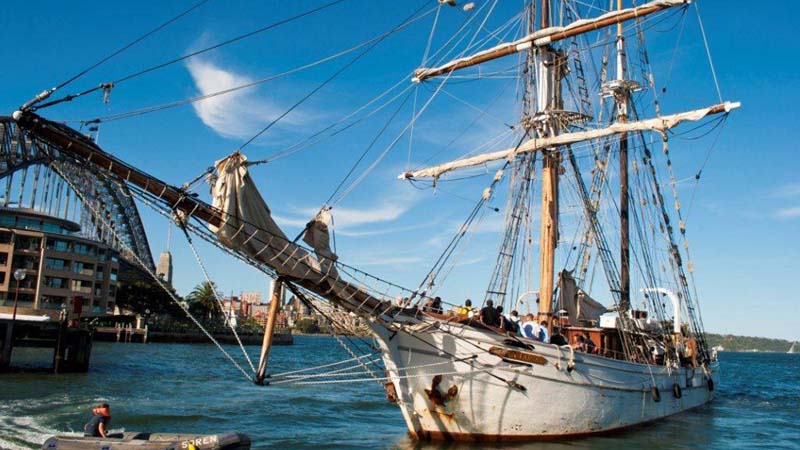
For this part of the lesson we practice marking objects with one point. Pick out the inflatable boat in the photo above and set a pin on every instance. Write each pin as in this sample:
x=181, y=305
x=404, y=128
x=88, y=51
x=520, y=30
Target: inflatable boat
x=150, y=441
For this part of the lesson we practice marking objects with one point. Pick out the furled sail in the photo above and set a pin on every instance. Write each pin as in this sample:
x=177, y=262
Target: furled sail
x=318, y=237
x=247, y=223
x=577, y=303
x=247, y=226
x=659, y=124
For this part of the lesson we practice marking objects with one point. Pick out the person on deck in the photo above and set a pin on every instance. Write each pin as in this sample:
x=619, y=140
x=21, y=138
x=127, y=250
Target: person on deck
x=542, y=335
x=558, y=338
x=466, y=310
x=98, y=424
x=489, y=314
x=501, y=317
x=581, y=345
x=433, y=305
x=511, y=322
x=529, y=327
x=590, y=345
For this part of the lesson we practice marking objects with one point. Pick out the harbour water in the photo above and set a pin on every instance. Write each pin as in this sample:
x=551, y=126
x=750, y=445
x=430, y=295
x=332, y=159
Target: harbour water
x=193, y=388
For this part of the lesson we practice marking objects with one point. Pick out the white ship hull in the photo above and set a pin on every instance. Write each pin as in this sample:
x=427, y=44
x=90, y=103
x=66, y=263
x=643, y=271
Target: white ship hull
x=599, y=395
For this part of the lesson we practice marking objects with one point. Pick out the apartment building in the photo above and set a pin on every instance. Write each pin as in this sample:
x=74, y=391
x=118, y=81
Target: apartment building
x=62, y=268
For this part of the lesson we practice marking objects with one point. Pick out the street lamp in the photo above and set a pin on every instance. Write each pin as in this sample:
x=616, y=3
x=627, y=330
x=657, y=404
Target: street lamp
x=19, y=275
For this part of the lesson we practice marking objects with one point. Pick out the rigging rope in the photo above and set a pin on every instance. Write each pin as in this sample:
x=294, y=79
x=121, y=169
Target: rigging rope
x=216, y=295
x=122, y=242
x=115, y=53
x=199, y=52
x=708, y=51
x=367, y=149
x=335, y=75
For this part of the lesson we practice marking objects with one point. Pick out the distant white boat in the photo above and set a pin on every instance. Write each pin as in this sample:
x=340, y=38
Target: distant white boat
x=791, y=349
x=718, y=348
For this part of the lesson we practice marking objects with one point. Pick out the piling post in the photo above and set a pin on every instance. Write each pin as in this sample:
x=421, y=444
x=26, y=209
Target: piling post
x=58, y=356
x=8, y=345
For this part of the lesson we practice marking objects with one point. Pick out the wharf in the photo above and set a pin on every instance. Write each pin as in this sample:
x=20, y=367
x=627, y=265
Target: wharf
x=122, y=333
x=72, y=346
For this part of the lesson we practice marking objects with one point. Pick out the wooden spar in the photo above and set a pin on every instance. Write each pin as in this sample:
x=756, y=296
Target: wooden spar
x=547, y=36
x=72, y=143
x=660, y=124
x=269, y=329
x=75, y=144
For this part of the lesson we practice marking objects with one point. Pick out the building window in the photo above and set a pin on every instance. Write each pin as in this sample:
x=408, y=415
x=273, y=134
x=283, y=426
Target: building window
x=81, y=286
x=29, y=224
x=58, y=244
x=3, y=258
x=56, y=264
x=55, y=282
x=27, y=243
x=25, y=262
x=113, y=276
x=5, y=236
x=83, y=268
x=52, y=302
x=84, y=249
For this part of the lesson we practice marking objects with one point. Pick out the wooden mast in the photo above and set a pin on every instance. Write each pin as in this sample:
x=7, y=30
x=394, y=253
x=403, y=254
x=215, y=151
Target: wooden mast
x=548, y=94
x=622, y=116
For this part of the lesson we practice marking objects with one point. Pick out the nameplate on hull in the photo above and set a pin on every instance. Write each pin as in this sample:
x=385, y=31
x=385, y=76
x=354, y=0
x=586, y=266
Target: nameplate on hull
x=514, y=355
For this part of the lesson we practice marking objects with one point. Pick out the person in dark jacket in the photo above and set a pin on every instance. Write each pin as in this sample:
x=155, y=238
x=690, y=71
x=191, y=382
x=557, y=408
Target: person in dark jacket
x=98, y=424
x=558, y=338
x=489, y=314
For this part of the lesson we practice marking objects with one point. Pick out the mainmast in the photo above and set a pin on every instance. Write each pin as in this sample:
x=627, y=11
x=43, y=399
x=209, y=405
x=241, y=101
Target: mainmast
x=548, y=100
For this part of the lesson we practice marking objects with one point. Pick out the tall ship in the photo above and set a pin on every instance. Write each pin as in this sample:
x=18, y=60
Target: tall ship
x=611, y=278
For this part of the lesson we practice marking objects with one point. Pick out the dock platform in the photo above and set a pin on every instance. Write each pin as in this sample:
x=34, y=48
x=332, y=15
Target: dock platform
x=72, y=346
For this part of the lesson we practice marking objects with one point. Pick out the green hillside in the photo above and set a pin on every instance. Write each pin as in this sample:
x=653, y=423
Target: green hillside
x=745, y=343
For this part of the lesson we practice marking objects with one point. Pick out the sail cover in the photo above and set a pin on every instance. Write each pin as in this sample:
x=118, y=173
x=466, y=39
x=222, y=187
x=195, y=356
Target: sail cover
x=578, y=304
x=247, y=225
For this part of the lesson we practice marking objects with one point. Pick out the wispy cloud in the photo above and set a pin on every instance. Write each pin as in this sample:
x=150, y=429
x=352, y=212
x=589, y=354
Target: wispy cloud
x=384, y=231
x=788, y=213
x=239, y=114
x=363, y=221
x=395, y=261
x=788, y=190
x=387, y=211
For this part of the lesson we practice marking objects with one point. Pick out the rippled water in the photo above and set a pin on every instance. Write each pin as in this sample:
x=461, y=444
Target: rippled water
x=192, y=388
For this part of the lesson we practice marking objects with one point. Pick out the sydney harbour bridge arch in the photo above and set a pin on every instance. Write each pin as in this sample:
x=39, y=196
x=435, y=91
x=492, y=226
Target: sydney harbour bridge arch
x=38, y=176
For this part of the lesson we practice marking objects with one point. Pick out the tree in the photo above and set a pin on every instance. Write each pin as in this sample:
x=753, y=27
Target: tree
x=140, y=296
x=203, y=301
x=307, y=326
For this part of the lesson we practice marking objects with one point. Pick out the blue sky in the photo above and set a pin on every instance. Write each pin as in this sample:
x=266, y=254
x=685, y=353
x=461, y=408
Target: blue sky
x=743, y=215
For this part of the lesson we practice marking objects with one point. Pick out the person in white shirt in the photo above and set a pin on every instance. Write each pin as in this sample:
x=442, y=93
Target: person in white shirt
x=542, y=334
x=529, y=328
